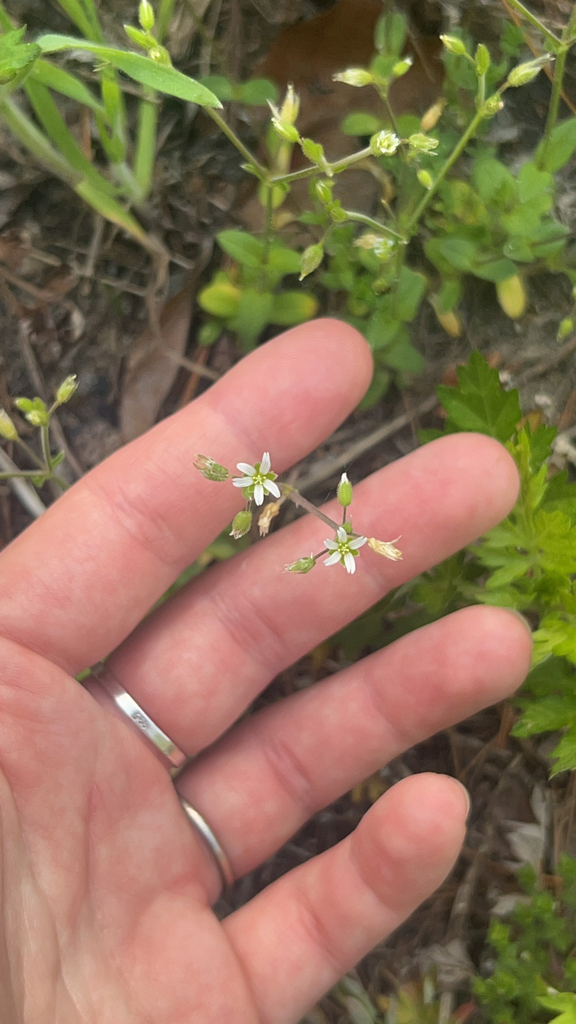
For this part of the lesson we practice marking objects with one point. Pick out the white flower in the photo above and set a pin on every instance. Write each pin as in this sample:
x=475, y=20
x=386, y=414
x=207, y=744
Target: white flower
x=257, y=479
x=344, y=549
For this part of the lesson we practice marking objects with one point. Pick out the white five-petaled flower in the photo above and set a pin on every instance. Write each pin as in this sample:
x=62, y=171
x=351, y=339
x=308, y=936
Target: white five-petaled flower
x=344, y=549
x=257, y=479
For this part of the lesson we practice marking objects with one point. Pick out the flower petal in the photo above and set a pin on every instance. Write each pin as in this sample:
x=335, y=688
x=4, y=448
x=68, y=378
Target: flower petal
x=349, y=562
x=331, y=545
x=342, y=534
x=265, y=463
x=334, y=558
x=259, y=494
x=272, y=488
x=242, y=481
x=357, y=543
x=245, y=468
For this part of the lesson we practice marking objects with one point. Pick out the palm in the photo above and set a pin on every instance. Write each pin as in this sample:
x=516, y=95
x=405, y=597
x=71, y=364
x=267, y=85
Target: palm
x=107, y=888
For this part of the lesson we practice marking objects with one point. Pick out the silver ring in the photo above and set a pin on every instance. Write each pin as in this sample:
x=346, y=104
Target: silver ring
x=162, y=744
x=209, y=838
x=128, y=706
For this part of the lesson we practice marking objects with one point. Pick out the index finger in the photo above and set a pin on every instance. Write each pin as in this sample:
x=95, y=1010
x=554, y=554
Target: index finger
x=77, y=582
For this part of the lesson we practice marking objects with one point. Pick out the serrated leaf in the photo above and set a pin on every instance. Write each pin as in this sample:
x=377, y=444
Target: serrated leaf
x=480, y=403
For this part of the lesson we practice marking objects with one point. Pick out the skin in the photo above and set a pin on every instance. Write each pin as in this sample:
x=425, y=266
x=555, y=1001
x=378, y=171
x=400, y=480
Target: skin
x=105, y=888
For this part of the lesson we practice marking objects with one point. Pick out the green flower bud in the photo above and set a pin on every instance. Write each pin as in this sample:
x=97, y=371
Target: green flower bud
x=7, y=428
x=141, y=39
x=302, y=565
x=34, y=410
x=286, y=131
x=313, y=151
x=566, y=327
x=290, y=107
x=384, y=143
x=357, y=77
x=241, y=524
x=402, y=67
x=420, y=143
x=492, y=105
x=425, y=179
x=67, y=389
x=524, y=73
x=210, y=469
x=454, y=45
x=482, y=61
x=344, y=493
x=146, y=15
x=310, y=259
x=323, y=190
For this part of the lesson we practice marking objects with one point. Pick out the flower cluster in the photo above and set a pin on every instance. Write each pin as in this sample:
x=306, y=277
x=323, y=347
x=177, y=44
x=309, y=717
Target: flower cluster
x=258, y=481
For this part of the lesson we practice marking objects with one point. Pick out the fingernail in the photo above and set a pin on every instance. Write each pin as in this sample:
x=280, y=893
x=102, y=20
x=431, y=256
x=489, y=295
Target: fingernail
x=466, y=795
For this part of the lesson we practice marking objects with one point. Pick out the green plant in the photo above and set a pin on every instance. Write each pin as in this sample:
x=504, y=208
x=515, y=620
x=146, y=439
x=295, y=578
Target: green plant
x=534, y=969
x=38, y=414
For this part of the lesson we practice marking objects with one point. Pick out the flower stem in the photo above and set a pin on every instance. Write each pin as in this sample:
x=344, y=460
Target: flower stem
x=298, y=499
x=553, y=41
x=259, y=169
x=335, y=168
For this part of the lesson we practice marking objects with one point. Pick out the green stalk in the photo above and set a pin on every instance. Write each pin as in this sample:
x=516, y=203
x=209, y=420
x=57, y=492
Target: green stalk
x=146, y=143
x=30, y=453
x=553, y=41
x=335, y=168
x=458, y=149
x=298, y=499
x=553, y=108
x=362, y=218
x=165, y=12
x=259, y=169
x=45, y=442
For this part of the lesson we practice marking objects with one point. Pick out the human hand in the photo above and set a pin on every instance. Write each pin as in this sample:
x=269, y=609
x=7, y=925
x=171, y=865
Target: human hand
x=106, y=887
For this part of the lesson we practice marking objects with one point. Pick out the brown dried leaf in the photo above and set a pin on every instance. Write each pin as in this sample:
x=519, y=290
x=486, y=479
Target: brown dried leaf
x=151, y=373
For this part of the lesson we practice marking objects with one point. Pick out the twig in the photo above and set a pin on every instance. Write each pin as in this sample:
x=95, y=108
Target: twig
x=327, y=467
x=191, y=364
x=547, y=364
x=23, y=491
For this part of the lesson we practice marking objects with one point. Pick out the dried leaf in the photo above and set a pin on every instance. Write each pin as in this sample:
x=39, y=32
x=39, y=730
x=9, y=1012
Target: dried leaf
x=151, y=373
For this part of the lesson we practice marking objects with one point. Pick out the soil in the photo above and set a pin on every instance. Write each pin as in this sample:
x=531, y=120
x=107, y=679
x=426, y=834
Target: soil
x=75, y=298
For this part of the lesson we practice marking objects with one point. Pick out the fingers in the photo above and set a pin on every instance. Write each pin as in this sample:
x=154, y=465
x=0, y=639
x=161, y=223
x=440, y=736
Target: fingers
x=307, y=929
x=197, y=664
x=78, y=580
x=260, y=784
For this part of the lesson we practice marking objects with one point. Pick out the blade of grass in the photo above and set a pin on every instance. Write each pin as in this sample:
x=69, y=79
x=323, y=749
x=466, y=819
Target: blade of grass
x=146, y=143
x=165, y=12
x=142, y=69
x=84, y=16
x=66, y=84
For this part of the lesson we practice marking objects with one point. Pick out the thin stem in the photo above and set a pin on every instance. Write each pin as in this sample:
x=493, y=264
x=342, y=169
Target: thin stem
x=390, y=112
x=458, y=149
x=29, y=452
x=298, y=499
x=553, y=106
x=21, y=473
x=335, y=168
x=553, y=41
x=231, y=134
x=45, y=441
x=570, y=29
x=363, y=218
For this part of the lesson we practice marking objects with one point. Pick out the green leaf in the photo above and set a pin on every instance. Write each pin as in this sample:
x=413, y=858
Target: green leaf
x=532, y=182
x=15, y=56
x=221, y=297
x=565, y=1002
x=480, y=403
x=458, y=252
x=360, y=124
x=409, y=292
x=561, y=148
x=401, y=354
x=283, y=261
x=244, y=248
x=494, y=270
x=292, y=308
x=258, y=92
x=494, y=182
x=220, y=86
x=253, y=315
x=66, y=84
x=83, y=14
x=142, y=69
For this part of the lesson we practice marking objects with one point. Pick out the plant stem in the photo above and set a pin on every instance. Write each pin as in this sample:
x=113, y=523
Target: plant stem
x=363, y=218
x=458, y=149
x=335, y=168
x=45, y=441
x=553, y=107
x=298, y=499
x=570, y=30
x=231, y=134
x=553, y=41
x=30, y=453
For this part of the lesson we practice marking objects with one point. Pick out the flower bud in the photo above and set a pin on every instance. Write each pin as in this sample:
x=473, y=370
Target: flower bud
x=34, y=411
x=290, y=107
x=420, y=143
x=354, y=76
x=454, y=45
x=384, y=143
x=433, y=115
x=565, y=328
x=344, y=493
x=146, y=15
x=524, y=73
x=270, y=512
x=512, y=296
x=425, y=178
x=323, y=190
x=302, y=565
x=210, y=469
x=241, y=524
x=492, y=105
x=67, y=389
x=313, y=151
x=385, y=548
x=7, y=428
x=286, y=131
x=482, y=61
x=402, y=67
x=310, y=259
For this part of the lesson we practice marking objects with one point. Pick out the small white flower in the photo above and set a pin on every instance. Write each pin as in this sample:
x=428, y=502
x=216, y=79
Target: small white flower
x=257, y=479
x=344, y=549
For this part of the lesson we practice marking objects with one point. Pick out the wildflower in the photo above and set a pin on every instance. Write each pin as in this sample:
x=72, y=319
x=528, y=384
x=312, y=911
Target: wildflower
x=344, y=549
x=385, y=548
x=302, y=565
x=66, y=389
x=384, y=143
x=354, y=76
x=257, y=480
